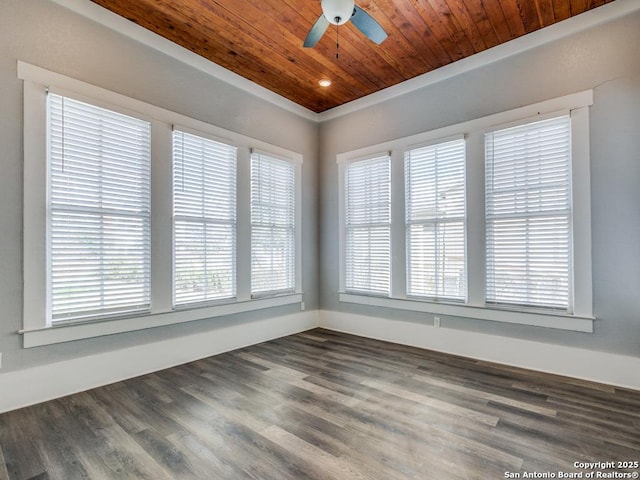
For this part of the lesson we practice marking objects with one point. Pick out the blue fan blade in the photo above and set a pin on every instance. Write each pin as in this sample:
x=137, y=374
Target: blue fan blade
x=316, y=32
x=367, y=25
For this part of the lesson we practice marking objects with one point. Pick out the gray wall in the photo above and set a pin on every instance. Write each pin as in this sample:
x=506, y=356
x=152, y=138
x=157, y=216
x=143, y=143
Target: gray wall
x=43, y=33
x=604, y=58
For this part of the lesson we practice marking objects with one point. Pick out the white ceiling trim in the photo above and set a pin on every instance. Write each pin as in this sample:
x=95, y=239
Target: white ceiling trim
x=140, y=34
x=573, y=25
x=591, y=18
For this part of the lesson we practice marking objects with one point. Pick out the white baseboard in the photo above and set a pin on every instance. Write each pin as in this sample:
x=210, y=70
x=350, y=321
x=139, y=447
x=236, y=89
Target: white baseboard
x=45, y=382
x=29, y=386
x=608, y=368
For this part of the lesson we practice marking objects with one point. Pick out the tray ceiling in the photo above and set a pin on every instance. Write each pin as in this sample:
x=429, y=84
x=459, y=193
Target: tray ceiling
x=261, y=40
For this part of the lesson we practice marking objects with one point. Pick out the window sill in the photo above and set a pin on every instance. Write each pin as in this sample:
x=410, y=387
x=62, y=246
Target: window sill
x=77, y=331
x=538, y=319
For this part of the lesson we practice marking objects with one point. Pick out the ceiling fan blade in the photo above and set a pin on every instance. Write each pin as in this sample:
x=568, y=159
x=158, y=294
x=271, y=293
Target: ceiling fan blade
x=368, y=25
x=316, y=31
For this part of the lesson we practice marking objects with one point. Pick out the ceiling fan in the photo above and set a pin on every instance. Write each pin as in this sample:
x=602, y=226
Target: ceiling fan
x=339, y=12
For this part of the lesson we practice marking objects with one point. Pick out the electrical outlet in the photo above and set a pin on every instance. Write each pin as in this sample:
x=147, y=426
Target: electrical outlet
x=302, y=306
x=436, y=321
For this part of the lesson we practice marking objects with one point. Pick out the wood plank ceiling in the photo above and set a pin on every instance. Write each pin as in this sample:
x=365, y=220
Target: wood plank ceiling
x=261, y=40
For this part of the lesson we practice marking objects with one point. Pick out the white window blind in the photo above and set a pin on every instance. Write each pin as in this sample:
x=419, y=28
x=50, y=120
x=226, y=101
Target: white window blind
x=273, y=229
x=528, y=214
x=368, y=225
x=98, y=211
x=204, y=210
x=435, y=220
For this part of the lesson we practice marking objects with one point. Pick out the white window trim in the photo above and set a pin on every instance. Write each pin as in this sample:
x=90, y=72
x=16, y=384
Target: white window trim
x=569, y=214
x=462, y=219
x=537, y=318
x=582, y=318
x=66, y=105
x=343, y=160
x=296, y=161
x=77, y=331
x=187, y=219
x=35, y=331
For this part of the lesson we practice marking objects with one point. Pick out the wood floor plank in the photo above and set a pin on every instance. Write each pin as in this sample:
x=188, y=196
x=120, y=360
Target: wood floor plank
x=433, y=403
x=474, y=392
x=314, y=338
x=22, y=459
x=333, y=467
x=4, y=474
x=323, y=405
x=205, y=461
x=112, y=449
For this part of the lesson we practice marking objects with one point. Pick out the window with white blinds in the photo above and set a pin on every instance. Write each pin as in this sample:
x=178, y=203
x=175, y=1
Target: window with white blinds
x=130, y=224
x=273, y=228
x=435, y=221
x=204, y=219
x=368, y=226
x=98, y=211
x=528, y=214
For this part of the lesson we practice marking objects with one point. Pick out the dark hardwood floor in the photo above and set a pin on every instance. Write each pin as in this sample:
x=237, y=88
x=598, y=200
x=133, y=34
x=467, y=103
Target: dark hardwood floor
x=324, y=405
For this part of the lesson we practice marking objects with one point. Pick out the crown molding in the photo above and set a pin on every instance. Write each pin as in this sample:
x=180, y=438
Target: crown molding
x=146, y=37
x=565, y=28
x=573, y=25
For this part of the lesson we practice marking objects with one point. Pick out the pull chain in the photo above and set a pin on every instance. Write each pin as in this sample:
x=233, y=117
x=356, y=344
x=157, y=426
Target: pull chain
x=337, y=40
x=64, y=111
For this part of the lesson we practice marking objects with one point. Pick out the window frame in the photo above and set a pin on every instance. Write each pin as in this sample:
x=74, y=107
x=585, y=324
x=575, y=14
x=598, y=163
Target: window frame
x=436, y=221
x=528, y=215
x=143, y=216
x=344, y=227
x=187, y=219
x=295, y=164
x=581, y=318
x=37, y=82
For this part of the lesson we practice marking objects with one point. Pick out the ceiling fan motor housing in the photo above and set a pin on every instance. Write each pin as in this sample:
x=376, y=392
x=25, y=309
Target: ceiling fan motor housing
x=338, y=12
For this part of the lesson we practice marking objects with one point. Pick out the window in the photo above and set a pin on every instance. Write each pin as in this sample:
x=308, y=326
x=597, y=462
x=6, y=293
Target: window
x=99, y=211
x=204, y=219
x=133, y=222
x=273, y=229
x=528, y=214
x=368, y=225
x=435, y=220
x=487, y=219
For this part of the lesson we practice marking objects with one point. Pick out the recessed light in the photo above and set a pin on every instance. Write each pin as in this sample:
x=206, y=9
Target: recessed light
x=325, y=82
